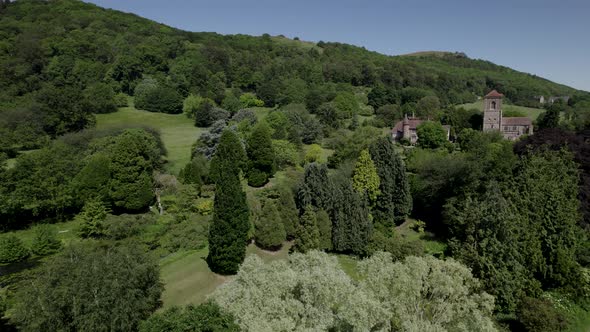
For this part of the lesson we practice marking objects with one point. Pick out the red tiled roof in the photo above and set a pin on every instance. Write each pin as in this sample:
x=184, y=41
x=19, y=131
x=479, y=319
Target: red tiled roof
x=516, y=121
x=399, y=126
x=494, y=94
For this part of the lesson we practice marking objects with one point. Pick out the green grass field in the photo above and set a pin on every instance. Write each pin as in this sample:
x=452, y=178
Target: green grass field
x=65, y=232
x=188, y=279
x=532, y=113
x=178, y=132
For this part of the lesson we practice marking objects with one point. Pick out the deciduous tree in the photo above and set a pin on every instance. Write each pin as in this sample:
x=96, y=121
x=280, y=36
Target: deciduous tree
x=90, y=288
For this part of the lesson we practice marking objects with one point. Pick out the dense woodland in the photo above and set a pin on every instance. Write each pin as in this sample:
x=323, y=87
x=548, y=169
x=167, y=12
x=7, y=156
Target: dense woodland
x=296, y=155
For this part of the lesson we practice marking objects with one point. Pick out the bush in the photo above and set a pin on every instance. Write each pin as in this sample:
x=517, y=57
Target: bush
x=99, y=98
x=286, y=153
x=121, y=100
x=249, y=100
x=187, y=235
x=206, y=317
x=204, y=206
x=191, y=104
x=12, y=250
x=247, y=115
x=204, y=113
x=44, y=241
x=313, y=153
x=257, y=178
x=397, y=246
x=539, y=315
x=126, y=225
x=164, y=99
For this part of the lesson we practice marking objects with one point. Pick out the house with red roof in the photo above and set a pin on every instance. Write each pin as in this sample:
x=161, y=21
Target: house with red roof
x=406, y=129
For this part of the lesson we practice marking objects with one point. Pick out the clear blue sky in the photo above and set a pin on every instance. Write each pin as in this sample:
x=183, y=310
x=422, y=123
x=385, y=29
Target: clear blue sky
x=550, y=38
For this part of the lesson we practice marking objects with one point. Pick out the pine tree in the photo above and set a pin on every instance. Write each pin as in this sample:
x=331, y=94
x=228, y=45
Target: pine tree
x=308, y=235
x=288, y=211
x=229, y=150
x=394, y=201
x=228, y=232
x=315, y=189
x=92, y=218
x=270, y=232
x=261, y=156
x=402, y=198
x=351, y=226
x=45, y=241
x=12, y=249
x=365, y=179
x=325, y=228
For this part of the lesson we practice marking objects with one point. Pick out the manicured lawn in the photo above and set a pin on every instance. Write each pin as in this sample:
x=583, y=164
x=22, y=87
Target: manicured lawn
x=532, y=113
x=178, y=132
x=348, y=265
x=187, y=278
x=431, y=245
x=65, y=232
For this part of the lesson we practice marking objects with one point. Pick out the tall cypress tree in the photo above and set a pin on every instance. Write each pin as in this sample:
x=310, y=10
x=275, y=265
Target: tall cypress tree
x=394, y=201
x=228, y=232
x=365, y=179
x=352, y=228
x=308, y=236
x=261, y=156
x=325, y=228
x=288, y=211
x=402, y=198
x=315, y=189
x=270, y=232
x=229, y=149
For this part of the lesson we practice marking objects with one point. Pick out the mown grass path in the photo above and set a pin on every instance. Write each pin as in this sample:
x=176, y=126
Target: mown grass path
x=178, y=132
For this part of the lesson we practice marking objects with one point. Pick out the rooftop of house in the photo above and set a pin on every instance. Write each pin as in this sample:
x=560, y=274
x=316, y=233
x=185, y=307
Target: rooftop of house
x=413, y=123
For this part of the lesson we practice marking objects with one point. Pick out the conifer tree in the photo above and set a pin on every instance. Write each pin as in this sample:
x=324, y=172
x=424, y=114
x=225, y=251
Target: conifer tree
x=308, y=235
x=402, y=198
x=325, y=228
x=45, y=241
x=229, y=228
x=316, y=188
x=229, y=150
x=270, y=232
x=351, y=226
x=261, y=156
x=394, y=201
x=288, y=211
x=92, y=218
x=12, y=249
x=365, y=179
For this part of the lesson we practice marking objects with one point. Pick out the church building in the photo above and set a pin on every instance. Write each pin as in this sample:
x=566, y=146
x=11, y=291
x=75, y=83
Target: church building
x=512, y=128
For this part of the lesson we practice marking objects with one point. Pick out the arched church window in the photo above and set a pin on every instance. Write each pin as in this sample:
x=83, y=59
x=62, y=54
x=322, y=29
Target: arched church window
x=493, y=105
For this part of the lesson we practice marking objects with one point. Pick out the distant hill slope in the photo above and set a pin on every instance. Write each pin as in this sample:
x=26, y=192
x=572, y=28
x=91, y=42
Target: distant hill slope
x=72, y=43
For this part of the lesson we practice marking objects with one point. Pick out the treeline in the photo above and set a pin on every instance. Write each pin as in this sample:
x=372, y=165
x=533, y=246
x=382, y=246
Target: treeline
x=516, y=215
x=62, y=60
x=54, y=183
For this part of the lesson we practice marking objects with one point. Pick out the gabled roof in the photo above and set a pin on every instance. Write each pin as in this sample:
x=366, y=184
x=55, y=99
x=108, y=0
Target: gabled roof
x=517, y=121
x=412, y=122
x=494, y=94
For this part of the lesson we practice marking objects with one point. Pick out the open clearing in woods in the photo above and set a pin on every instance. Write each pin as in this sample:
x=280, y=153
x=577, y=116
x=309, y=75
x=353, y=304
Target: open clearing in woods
x=178, y=132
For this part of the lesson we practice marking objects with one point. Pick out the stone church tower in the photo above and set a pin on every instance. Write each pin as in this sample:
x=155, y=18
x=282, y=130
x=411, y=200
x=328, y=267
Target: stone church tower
x=492, y=111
